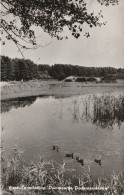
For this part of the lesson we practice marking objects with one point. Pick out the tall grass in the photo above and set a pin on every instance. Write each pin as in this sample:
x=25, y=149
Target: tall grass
x=104, y=110
x=108, y=110
x=17, y=173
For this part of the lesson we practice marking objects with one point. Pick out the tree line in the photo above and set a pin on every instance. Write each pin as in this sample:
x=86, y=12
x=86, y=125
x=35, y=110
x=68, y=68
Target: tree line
x=18, y=69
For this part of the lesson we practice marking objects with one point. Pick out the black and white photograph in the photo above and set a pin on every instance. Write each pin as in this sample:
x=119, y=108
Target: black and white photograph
x=62, y=97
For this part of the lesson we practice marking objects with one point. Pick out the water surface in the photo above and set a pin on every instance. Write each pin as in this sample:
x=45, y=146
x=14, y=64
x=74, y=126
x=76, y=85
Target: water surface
x=91, y=126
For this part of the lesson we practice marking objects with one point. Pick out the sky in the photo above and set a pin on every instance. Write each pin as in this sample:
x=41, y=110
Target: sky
x=105, y=46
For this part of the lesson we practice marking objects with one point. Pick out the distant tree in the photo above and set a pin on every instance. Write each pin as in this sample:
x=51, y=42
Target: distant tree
x=3, y=70
x=25, y=69
x=21, y=70
x=18, y=69
x=7, y=69
x=32, y=70
x=67, y=70
x=51, y=15
x=43, y=67
x=57, y=72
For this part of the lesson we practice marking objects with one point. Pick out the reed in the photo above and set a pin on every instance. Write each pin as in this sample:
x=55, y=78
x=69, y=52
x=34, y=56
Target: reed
x=17, y=173
x=108, y=110
x=104, y=110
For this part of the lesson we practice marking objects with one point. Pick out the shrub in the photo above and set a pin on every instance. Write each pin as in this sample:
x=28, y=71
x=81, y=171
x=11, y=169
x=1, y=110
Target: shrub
x=91, y=79
x=81, y=79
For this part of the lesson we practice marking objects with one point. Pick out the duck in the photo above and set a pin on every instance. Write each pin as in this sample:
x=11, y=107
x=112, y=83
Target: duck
x=77, y=158
x=56, y=148
x=98, y=161
x=81, y=161
x=69, y=155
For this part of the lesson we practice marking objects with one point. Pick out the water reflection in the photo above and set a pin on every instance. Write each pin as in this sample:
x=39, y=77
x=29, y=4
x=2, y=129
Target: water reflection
x=7, y=105
x=105, y=110
x=102, y=110
x=108, y=110
x=75, y=124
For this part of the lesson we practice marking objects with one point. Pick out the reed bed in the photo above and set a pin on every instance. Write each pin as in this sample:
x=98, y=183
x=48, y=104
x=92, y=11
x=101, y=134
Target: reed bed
x=108, y=110
x=103, y=110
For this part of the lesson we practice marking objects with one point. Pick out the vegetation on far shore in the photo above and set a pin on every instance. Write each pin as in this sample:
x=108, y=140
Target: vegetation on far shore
x=18, y=69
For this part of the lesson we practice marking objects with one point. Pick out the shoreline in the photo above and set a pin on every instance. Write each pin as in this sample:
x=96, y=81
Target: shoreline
x=55, y=88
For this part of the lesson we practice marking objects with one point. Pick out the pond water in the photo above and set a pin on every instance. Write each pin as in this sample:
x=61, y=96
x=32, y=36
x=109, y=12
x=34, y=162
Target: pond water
x=89, y=126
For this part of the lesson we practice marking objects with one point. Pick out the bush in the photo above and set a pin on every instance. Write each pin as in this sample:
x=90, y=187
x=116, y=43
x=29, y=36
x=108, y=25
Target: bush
x=68, y=80
x=91, y=79
x=109, y=78
x=81, y=79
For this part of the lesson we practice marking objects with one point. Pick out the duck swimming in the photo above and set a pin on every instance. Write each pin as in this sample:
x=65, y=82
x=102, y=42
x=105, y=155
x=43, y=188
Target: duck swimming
x=98, y=161
x=69, y=155
x=81, y=161
x=56, y=148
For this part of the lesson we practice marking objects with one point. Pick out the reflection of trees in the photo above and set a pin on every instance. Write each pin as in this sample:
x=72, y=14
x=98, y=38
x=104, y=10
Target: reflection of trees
x=61, y=110
x=104, y=110
x=16, y=103
x=75, y=111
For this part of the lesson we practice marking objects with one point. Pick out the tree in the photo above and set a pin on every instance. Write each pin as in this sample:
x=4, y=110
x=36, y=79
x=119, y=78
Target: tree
x=25, y=69
x=57, y=72
x=21, y=69
x=51, y=15
x=3, y=70
x=7, y=69
x=18, y=69
x=32, y=70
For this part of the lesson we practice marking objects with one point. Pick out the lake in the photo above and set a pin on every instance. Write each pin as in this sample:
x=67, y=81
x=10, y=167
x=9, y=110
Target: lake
x=91, y=126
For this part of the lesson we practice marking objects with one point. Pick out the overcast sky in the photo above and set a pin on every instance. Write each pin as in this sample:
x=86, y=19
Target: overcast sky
x=105, y=46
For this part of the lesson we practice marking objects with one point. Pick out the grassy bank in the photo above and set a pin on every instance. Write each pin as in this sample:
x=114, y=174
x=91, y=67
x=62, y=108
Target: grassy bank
x=17, y=175
x=53, y=87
